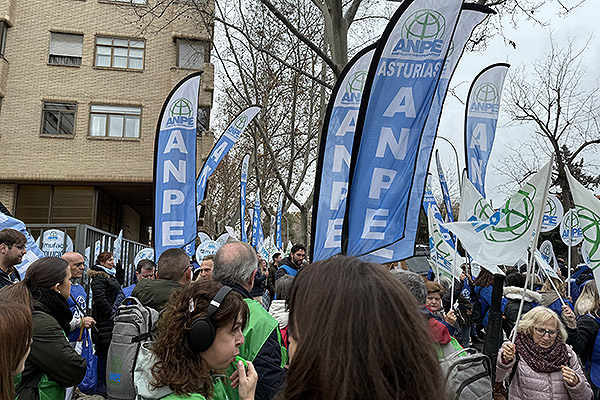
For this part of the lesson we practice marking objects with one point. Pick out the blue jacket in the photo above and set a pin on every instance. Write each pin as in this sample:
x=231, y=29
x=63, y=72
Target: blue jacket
x=78, y=293
x=485, y=300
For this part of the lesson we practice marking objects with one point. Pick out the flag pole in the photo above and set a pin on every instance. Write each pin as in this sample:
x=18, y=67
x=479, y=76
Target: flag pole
x=534, y=246
x=569, y=257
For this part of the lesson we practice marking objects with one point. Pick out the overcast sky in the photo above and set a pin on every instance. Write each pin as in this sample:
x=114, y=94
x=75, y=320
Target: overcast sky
x=532, y=42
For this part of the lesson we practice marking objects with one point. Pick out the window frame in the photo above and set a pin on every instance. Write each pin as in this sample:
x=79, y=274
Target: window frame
x=60, y=112
x=206, y=56
x=107, y=121
x=72, y=57
x=112, y=46
x=3, y=29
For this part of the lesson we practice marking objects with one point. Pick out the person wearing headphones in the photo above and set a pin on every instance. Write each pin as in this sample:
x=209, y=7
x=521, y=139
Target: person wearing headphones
x=199, y=335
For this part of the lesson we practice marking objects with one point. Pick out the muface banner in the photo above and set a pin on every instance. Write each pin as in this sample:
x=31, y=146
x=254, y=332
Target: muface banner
x=403, y=246
x=483, y=106
x=33, y=250
x=243, y=185
x=333, y=164
x=222, y=147
x=175, y=169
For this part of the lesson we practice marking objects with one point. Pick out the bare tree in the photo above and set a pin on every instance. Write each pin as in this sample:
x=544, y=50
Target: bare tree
x=552, y=97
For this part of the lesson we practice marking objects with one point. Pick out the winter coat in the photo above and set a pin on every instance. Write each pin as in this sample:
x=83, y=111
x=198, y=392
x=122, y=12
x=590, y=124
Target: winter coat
x=280, y=312
x=281, y=271
x=9, y=279
x=513, y=295
x=484, y=296
x=583, y=337
x=105, y=289
x=155, y=293
x=52, y=356
x=527, y=384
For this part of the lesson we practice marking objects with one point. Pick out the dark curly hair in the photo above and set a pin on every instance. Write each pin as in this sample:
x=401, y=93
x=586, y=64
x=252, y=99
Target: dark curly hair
x=177, y=366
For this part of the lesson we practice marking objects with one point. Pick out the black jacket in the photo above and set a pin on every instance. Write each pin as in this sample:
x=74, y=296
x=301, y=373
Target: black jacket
x=6, y=279
x=281, y=271
x=271, y=376
x=104, y=293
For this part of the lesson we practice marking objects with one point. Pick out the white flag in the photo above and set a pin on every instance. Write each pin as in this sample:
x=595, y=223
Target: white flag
x=446, y=258
x=472, y=202
x=588, y=210
x=501, y=237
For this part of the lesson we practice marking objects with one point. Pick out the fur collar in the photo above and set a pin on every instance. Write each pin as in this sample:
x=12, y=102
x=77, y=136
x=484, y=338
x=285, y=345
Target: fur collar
x=515, y=293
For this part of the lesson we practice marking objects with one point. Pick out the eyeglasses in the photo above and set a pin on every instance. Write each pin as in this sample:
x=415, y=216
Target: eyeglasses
x=540, y=331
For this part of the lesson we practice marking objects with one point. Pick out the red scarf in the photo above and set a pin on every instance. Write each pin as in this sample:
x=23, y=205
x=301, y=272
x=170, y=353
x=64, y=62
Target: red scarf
x=540, y=359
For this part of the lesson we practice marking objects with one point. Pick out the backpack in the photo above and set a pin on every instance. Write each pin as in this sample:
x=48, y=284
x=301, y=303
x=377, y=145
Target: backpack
x=134, y=324
x=468, y=375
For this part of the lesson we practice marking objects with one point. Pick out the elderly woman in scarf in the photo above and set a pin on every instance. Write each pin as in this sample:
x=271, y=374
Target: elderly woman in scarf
x=540, y=365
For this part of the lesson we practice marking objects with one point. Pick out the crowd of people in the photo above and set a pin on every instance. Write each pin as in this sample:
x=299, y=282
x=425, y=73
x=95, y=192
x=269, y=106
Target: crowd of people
x=239, y=327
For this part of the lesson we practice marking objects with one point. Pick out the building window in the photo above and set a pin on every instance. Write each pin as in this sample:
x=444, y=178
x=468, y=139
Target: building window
x=120, y=53
x=191, y=54
x=65, y=49
x=115, y=121
x=3, y=29
x=202, y=122
x=58, y=119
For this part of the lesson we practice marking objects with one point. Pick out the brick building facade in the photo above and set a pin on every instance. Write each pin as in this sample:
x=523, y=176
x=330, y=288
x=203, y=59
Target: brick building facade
x=81, y=90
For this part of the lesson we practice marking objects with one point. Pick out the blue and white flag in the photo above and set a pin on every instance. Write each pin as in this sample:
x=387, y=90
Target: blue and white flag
x=444, y=185
x=333, y=163
x=446, y=259
x=117, y=245
x=222, y=147
x=33, y=251
x=257, y=231
x=391, y=174
x=278, y=240
x=432, y=210
x=481, y=117
x=175, y=168
x=243, y=185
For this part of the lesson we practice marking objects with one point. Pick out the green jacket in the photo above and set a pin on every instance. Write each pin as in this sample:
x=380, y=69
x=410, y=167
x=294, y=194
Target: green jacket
x=259, y=327
x=155, y=293
x=53, y=364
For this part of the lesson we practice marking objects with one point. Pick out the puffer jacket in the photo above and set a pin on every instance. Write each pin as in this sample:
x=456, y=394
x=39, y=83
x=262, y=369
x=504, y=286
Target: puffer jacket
x=513, y=295
x=279, y=311
x=104, y=293
x=528, y=384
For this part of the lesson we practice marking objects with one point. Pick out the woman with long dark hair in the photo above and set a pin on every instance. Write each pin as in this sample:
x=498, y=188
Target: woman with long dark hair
x=53, y=365
x=355, y=333
x=16, y=332
x=105, y=288
x=186, y=363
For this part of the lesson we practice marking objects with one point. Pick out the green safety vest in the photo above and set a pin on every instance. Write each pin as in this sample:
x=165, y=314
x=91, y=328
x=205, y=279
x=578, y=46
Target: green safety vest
x=258, y=329
x=47, y=389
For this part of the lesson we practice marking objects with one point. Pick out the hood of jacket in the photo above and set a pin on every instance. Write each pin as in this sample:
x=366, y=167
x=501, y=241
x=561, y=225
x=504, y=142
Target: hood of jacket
x=548, y=298
x=96, y=271
x=516, y=293
x=279, y=311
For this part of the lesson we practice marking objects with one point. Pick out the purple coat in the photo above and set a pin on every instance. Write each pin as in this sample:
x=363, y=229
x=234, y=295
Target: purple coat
x=528, y=384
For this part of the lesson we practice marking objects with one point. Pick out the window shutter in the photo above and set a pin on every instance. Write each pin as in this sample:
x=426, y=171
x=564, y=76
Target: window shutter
x=65, y=44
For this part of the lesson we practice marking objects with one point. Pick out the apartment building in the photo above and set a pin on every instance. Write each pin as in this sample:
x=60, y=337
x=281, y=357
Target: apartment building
x=82, y=84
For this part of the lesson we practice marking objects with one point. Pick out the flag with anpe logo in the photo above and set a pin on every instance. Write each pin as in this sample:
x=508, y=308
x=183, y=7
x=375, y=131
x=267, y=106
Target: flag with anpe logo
x=233, y=132
x=481, y=117
x=588, y=210
x=333, y=163
x=175, y=169
x=447, y=260
x=397, y=126
x=502, y=237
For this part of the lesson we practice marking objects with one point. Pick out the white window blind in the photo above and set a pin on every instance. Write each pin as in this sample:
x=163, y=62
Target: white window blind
x=66, y=44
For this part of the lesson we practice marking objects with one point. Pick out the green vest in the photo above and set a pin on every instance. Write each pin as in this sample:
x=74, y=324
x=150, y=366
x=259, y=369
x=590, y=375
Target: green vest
x=192, y=396
x=258, y=329
x=47, y=389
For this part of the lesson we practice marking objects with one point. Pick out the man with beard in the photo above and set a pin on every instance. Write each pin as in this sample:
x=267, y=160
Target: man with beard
x=292, y=263
x=12, y=250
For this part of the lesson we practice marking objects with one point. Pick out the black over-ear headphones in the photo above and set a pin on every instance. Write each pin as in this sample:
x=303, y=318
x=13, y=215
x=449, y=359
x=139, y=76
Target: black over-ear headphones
x=202, y=333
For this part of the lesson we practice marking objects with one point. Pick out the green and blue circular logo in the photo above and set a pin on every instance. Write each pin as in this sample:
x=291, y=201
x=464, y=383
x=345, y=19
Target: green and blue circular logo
x=241, y=122
x=424, y=25
x=487, y=92
x=356, y=82
x=181, y=107
x=590, y=227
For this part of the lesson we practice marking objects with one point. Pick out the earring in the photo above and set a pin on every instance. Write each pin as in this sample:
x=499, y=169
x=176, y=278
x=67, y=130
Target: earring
x=59, y=292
